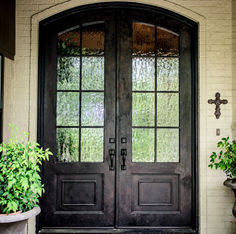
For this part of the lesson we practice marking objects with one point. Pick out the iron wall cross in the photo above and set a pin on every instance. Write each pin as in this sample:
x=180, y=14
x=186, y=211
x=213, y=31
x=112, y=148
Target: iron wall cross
x=217, y=102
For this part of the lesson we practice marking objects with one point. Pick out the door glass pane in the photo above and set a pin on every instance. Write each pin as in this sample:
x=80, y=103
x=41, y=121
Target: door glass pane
x=143, y=109
x=143, y=39
x=93, y=39
x=168, y=74
x=142, y=145
x=92, y=109
x=80, y=69
x=67, y=144
x=92, y=144
x=168, y=109
x=68, y=73
x=143, y=73
x=67, y=109
x=69, y=42
x=93, y=73
x=167, y=145
x=167, y=42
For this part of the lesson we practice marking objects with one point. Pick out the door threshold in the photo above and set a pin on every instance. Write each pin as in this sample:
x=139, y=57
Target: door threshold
x=119, y=230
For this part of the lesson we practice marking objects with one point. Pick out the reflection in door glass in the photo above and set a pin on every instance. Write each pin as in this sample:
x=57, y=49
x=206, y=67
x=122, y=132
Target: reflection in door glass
x=143, y=109
x=168, y=109
x=68, y=73
x=69, y=42
x=92, y=145
x=93, y=73
x=67, y=109
x=93, y=40
x=143, y=39
x=67, y=144
x=167, y=145
x=167, y=42
x=143, y=145
x=143, y=70
x=80, y=94
x=92, y=109
x=167, y=74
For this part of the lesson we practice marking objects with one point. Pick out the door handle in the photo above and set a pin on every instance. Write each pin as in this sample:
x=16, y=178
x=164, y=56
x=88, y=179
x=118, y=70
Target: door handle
x=112, y=157
x=123, y=157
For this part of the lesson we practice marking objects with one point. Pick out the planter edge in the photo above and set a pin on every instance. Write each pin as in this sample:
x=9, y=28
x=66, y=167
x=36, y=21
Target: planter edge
x=20, y=217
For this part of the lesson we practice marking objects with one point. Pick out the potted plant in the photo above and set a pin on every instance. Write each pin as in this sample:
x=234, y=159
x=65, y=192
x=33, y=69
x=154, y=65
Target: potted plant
x=20, y=182
x=225, y=160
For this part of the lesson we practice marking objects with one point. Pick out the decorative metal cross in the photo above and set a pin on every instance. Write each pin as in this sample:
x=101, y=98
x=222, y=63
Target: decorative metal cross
x=217, y=102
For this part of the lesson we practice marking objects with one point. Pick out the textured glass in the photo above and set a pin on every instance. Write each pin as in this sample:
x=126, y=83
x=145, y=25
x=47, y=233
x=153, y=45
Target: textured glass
x=69, y=42
x=93, y=40
x=143, y=109
x=92, y=144
x=93, y=73
x=167, y=145
x=167, y=74
x=143, y=73
x=167, y=42
x=168, y=109
x=143, y=39
x=92, y=109
x=67, y=109
x=68, y=73
x=67, y=145
x=142, y=145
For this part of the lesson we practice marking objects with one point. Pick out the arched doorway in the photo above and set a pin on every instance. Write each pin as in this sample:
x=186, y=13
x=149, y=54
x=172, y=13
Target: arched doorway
x=117, y=108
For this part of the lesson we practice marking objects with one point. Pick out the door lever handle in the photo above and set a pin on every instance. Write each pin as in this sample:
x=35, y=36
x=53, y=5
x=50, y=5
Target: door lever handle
x=123, y=157
x=112, y=157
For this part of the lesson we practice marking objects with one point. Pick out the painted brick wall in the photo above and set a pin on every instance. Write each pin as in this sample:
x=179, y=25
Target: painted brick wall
x=217, y=72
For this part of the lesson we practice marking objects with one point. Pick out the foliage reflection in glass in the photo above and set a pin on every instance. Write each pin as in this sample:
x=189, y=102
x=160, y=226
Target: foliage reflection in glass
x=168, y=109
x=167, y=74
x=69, y=42
x=143, y=73
x=68, y=73
x=92, y=144
x=67, y=109
x=92, y=109
x=143, y=109
x=167, y=145
x=67, y=145
x=93, y=73
x=142, y=145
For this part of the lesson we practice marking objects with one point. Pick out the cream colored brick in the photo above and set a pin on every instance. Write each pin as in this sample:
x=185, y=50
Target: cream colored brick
x=27, y=7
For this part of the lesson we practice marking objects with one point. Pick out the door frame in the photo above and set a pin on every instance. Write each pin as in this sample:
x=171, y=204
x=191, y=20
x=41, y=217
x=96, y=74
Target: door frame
x=194, y=100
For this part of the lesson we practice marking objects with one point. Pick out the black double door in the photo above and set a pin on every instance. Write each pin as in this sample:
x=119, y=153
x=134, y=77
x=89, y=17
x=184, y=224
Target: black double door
x=117, y=112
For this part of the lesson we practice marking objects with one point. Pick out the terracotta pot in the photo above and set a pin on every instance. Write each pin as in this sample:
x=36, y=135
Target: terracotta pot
x=231, y=183
x=16, y=223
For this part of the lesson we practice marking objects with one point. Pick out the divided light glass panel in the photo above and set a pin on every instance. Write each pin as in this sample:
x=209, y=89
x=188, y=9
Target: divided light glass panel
x=80, y=94
x=155, y=94
x=167, y=65
x=143, y=96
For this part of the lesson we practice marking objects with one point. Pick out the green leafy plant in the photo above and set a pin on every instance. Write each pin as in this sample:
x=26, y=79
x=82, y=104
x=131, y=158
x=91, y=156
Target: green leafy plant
x=225, y=160
x=20, y=182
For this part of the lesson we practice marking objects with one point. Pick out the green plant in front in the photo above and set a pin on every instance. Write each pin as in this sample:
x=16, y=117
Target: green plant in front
x=225, y=160
x=20, y=182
